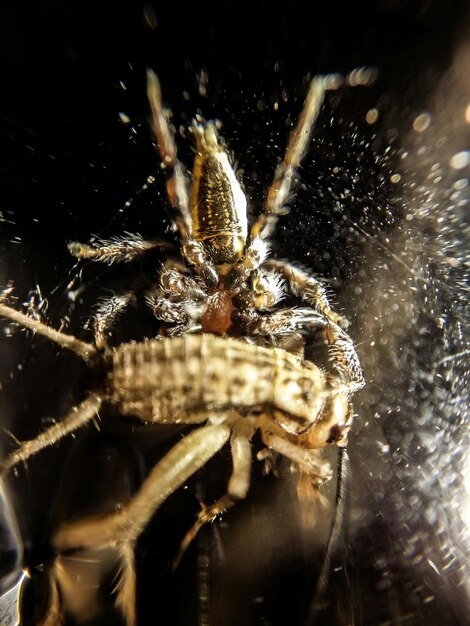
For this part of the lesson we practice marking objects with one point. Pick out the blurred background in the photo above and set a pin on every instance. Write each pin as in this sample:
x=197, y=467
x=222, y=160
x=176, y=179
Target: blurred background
x=380, y=213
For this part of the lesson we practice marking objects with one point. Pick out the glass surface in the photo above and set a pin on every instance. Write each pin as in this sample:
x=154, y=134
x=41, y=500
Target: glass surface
x=380, y=213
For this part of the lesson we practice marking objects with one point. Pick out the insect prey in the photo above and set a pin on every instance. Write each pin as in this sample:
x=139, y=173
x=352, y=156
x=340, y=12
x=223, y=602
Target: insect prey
x=228, y=359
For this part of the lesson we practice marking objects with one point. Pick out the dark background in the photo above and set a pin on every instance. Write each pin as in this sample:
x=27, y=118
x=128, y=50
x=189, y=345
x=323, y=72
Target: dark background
x=393, y=255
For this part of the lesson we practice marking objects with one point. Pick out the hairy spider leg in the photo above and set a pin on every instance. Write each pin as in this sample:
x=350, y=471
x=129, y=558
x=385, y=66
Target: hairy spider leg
x=121, y=249
x=281, y=188
x=341, y=349
x=176, y=295
x=307, y=288
x=177, y=184
x=106, y=314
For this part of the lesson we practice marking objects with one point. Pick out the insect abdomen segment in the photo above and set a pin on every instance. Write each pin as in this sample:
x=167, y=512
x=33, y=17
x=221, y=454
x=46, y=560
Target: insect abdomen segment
x=186, y=379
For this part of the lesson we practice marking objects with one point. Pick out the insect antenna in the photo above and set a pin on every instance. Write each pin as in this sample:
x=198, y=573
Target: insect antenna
x=318, y=602
x=84, y=350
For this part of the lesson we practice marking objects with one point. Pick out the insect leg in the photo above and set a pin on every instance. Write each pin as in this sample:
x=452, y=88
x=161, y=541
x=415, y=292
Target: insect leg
x=126, y=586
x=76, y=418
x=84, y=350
x=238, y=485
x=121, y=529
x=335, y=532
x=307, y=460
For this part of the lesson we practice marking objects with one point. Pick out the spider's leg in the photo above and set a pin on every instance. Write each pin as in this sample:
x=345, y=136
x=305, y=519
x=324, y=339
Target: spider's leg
x=308, y=288
x=238, y=485
x=121, y=249
x=122, y=528
x=106, y=314
x=282, y=322
x=76, y=418
x=344, y=357
x=84, y=350
x=341, y=349
x=281, y=187
x=177, y=184
x=177, y=300
x=176, y=283
x=171, y=312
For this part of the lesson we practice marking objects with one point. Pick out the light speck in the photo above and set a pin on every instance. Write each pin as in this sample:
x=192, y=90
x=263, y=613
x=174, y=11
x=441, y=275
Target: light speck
x=125, y=119
x=421, y=122
x=460, y=184
x=460, y=160
x=372, y=116
x=395, y=178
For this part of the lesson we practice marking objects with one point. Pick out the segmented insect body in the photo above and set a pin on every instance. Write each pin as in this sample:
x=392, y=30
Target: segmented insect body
x=228, y=358
x=177, y=380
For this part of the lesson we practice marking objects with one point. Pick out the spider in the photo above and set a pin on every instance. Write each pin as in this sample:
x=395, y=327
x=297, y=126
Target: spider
x=228, y=357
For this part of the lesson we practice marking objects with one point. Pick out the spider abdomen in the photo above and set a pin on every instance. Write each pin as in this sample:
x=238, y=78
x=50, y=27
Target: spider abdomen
x=217, y=203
